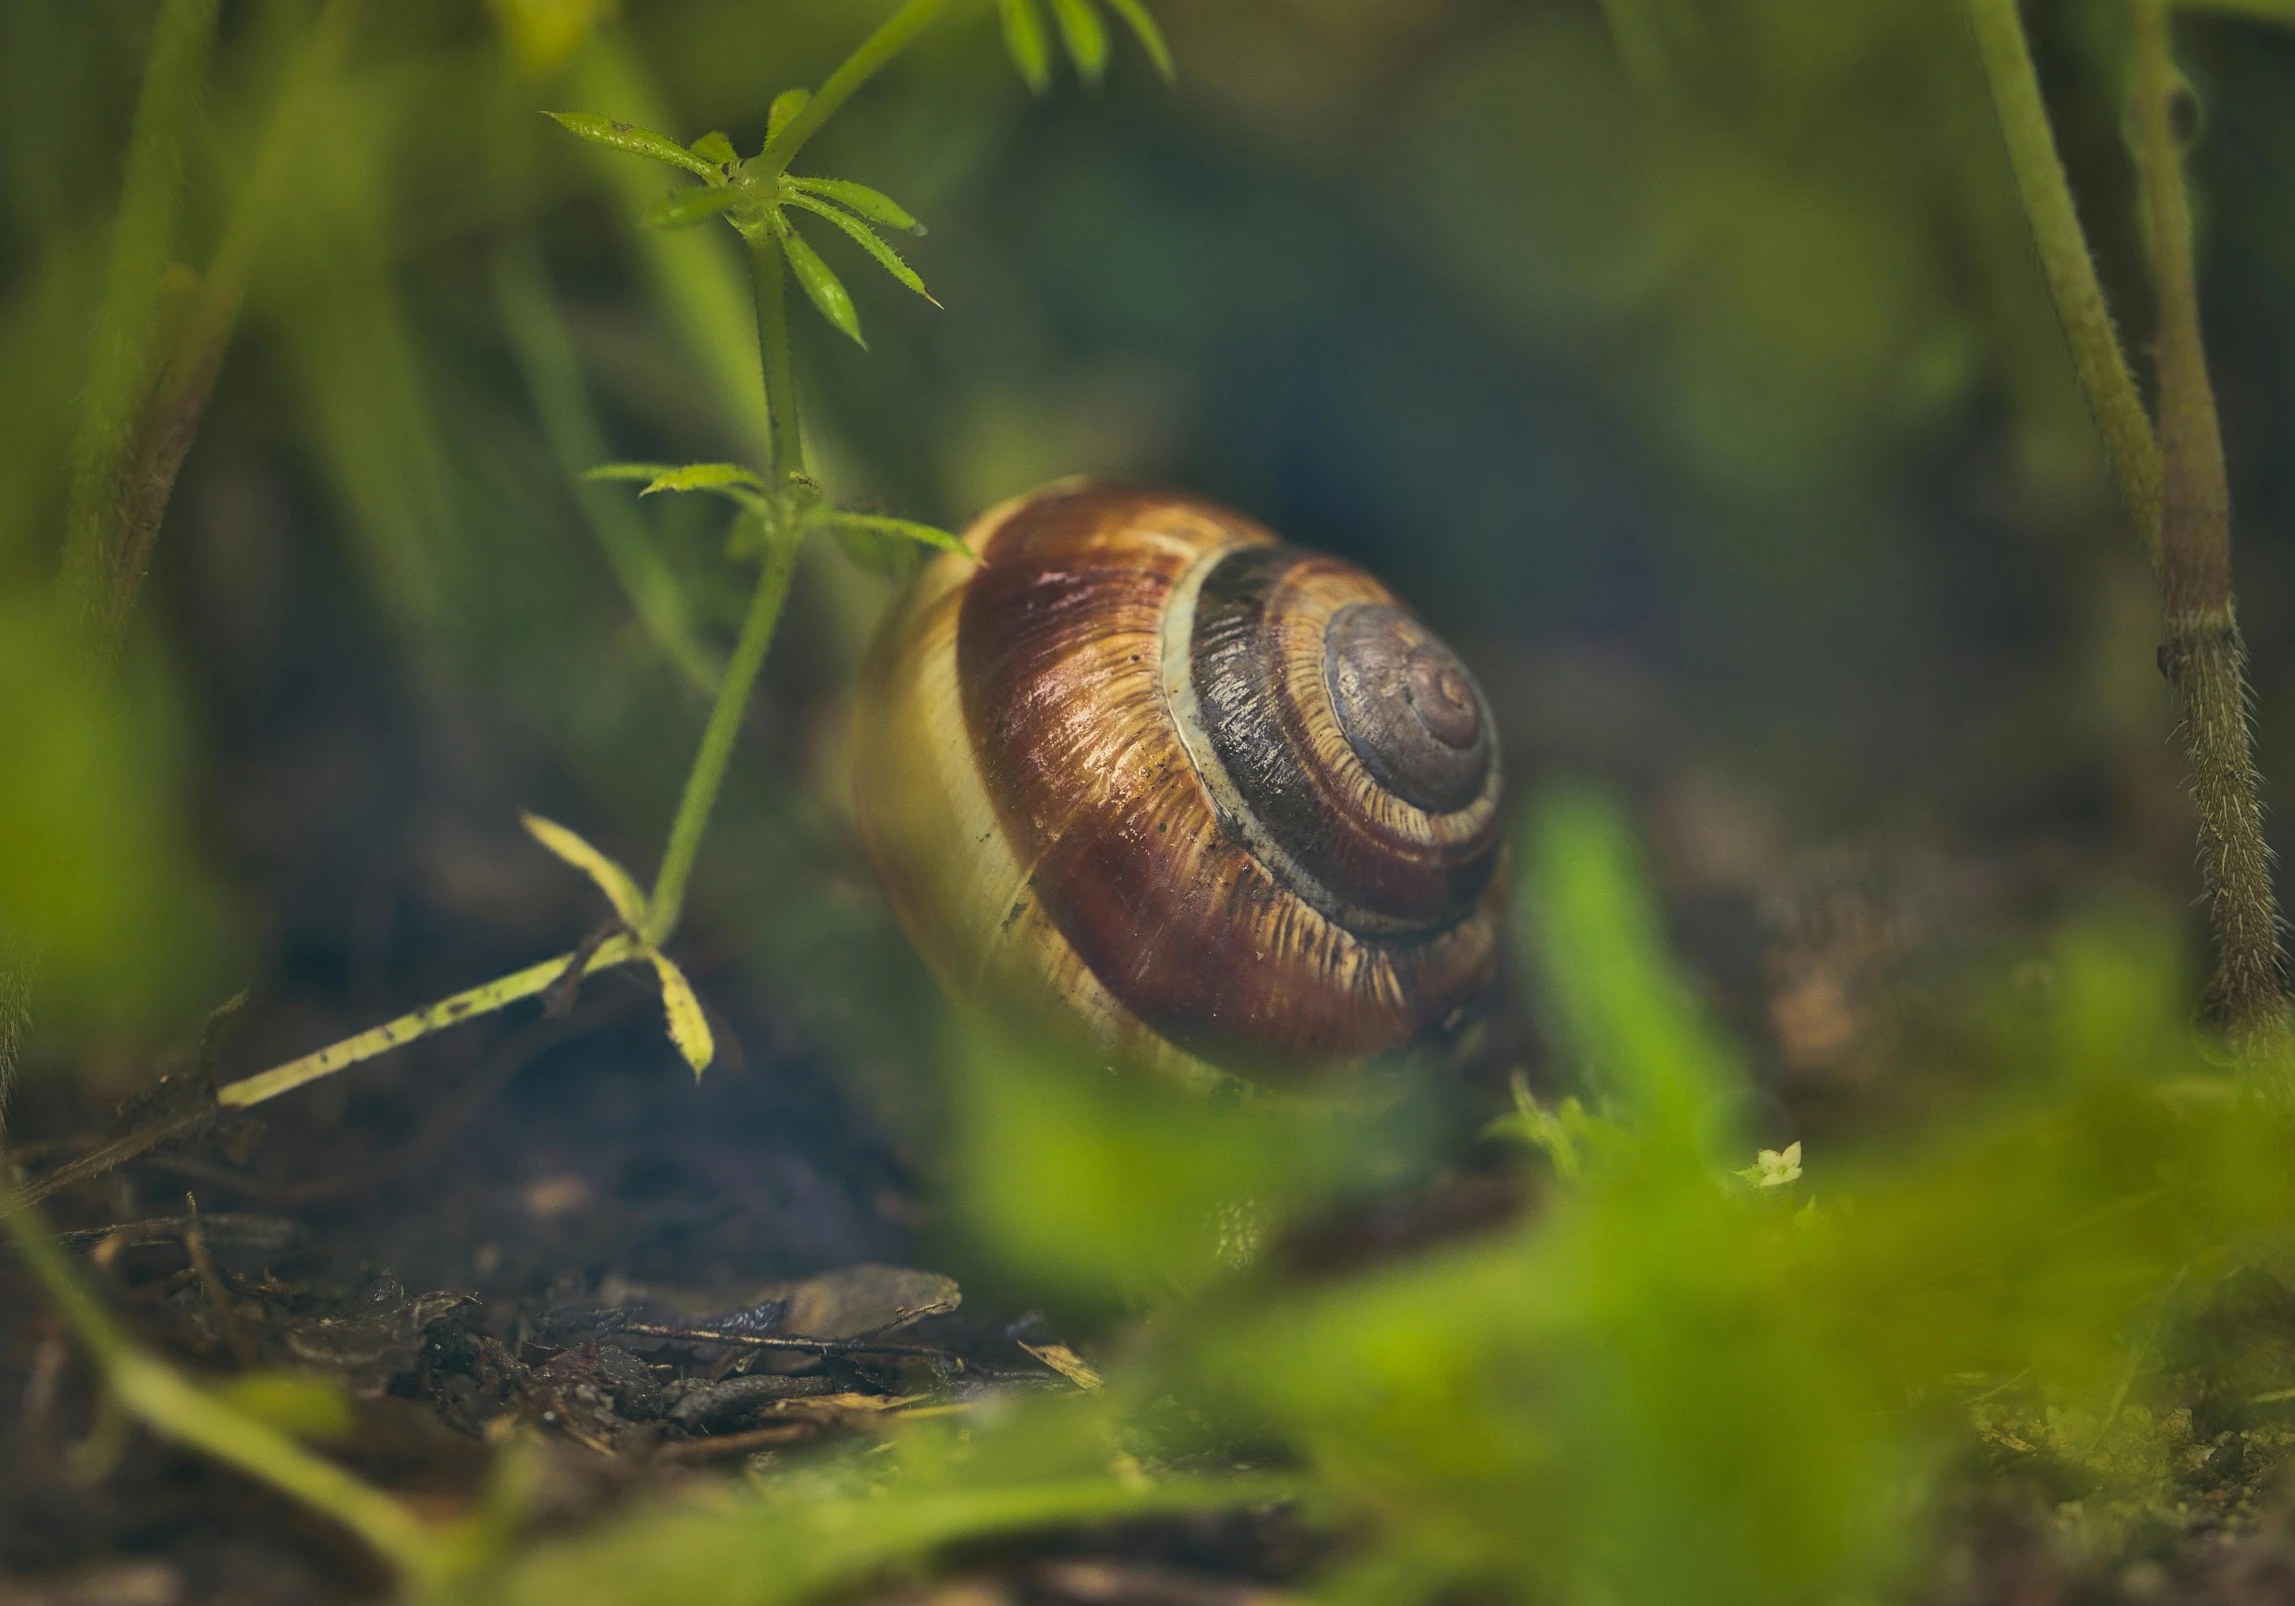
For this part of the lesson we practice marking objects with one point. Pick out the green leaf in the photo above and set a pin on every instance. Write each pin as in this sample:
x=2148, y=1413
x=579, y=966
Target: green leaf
x=886, y=257
x=629, y=471
x=906, y=529
x=636, y=141
x=874, y=205
x=688, y=1026
x=823, y=288
x=705, y=477
x=1087, y=40
x=716, y=150
x=786, y=105
x=612, y=880
x=689, y=207
x=1150, y=36
x=1024, y=38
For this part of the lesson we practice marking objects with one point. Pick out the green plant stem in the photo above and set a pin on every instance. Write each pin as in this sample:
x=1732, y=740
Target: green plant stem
x=169, y=1404
x=2064, y=256
x=787, y=446
x=857, y=69
x=126, y=350
x=463, y=1006
x=2204, y=656
x=701, y=785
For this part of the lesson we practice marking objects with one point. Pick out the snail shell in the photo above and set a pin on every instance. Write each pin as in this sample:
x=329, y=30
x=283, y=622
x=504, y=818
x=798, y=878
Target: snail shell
x=1219, y=800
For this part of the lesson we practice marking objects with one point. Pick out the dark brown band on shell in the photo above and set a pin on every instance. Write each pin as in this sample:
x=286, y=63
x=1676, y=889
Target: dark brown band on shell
x=1295, y=743
x=1060, y=663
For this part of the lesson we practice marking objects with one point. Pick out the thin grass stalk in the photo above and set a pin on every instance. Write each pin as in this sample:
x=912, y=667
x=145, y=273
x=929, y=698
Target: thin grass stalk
x=125, y=356
x=188, y=377
x=2204, y=655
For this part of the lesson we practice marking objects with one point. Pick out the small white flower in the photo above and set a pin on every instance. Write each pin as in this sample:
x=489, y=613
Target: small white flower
x=1770, y=1169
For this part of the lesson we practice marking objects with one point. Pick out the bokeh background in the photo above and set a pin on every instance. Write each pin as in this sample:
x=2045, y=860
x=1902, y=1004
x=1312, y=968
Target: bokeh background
x=1685, y=361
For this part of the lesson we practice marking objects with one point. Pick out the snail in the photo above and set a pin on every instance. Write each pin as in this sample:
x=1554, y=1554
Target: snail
x=1219, y=801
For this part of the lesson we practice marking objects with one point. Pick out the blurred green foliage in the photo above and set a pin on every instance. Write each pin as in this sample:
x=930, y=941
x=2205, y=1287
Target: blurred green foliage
x=1664, y=1383
x=1689, y=327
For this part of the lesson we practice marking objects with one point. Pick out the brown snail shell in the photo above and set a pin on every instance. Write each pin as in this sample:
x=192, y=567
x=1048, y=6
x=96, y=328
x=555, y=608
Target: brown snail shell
x=1219, y=800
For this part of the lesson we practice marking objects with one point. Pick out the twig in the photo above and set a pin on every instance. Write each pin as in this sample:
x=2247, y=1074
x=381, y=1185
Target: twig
x=863, y=1345
x=725, y=1444
x=2204, y=657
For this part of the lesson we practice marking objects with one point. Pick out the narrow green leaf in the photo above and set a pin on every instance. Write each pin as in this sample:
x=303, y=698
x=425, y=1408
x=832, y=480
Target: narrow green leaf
x=704, y=477
x=688, y=1026
x=633, y=139
x=716, y=150
x=689, y=207
x=906, y=529
x=728, y=480
x=1024, y=39
x=1150, y=36
x=1084, y=35
x=822, y=288
x=615, y=882
x=874, y=205
x=629, y=471
x=886, y=257
x=786, y=105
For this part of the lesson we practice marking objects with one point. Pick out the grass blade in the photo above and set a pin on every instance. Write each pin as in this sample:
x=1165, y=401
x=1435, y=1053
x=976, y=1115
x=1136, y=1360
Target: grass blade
x=127, y=325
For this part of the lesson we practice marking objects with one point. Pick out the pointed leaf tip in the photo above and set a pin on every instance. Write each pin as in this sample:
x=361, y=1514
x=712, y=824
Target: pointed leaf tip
x=1024, y=40
x=886, y=257
x=688, y=1026
x=1144, y=29
x=822, y=287
x=636, y=141
x=1084, y=36
x=621, y=891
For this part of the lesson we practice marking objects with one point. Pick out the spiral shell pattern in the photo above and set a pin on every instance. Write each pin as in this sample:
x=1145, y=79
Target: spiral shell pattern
x=1222, y=799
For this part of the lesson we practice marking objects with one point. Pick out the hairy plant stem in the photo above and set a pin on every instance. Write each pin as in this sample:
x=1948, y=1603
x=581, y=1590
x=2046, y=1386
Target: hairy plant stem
x=2172, y=481
x=175, y=1408
x=2203, y=657
x=2046, y=193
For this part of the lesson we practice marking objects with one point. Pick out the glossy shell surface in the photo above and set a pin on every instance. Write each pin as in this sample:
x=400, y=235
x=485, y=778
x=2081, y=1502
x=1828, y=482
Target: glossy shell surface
x=1217, y=799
